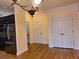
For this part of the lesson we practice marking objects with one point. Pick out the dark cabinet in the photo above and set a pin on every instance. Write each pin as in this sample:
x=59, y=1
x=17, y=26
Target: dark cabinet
x=9, y=33
x=10, y=44
x=2, y=37
x=10, y=47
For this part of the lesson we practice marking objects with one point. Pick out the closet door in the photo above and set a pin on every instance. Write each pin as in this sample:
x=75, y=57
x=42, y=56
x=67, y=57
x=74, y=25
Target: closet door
x=56, y=29
x=61, y=32
x=67, y=32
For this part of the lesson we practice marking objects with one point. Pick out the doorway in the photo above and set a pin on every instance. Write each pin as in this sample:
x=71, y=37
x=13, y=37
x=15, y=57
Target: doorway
x=28, y=32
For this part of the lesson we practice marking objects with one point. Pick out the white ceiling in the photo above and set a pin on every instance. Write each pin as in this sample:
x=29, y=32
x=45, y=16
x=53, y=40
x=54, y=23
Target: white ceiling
x=6, y=9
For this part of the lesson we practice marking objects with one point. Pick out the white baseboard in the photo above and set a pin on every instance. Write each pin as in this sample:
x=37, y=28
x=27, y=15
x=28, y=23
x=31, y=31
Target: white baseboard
x=21, y=52
x=41, y=42
x=76, y=48
x=50, y=46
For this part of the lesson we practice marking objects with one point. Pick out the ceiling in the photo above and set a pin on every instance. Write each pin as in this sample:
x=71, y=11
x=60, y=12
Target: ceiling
x=6, y=9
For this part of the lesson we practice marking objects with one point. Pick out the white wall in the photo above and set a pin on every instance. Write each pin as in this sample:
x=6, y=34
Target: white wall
x=69, y=10
x=21, y=35
x=42, y=19
x=38, y=24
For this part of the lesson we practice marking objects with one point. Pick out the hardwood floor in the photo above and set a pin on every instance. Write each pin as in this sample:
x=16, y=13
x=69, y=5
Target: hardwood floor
x=40, y=51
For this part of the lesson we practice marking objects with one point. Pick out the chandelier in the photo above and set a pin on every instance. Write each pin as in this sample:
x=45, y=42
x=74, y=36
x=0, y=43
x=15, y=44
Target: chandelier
x=34, y=8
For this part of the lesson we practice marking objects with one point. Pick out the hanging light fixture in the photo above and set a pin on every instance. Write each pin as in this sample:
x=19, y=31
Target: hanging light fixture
x=35, y=6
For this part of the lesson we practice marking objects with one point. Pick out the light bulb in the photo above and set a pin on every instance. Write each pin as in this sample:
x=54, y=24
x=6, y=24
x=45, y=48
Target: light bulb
x=36, y=3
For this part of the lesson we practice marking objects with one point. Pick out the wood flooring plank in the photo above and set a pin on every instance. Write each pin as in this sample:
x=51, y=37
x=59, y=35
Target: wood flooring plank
x=41, y=51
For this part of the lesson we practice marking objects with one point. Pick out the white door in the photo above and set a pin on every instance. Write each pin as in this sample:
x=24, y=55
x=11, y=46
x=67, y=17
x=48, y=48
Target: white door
x=61, y=32
x=67, y=32
x=56, y=30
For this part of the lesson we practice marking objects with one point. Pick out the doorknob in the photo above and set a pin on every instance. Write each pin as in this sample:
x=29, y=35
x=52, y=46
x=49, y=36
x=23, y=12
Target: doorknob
x=62, y=34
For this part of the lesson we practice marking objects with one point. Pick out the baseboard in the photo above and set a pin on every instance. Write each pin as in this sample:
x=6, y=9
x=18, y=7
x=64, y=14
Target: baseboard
x=76, y=48
x=41, y=42
x=21, y=52
x=50, y=46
